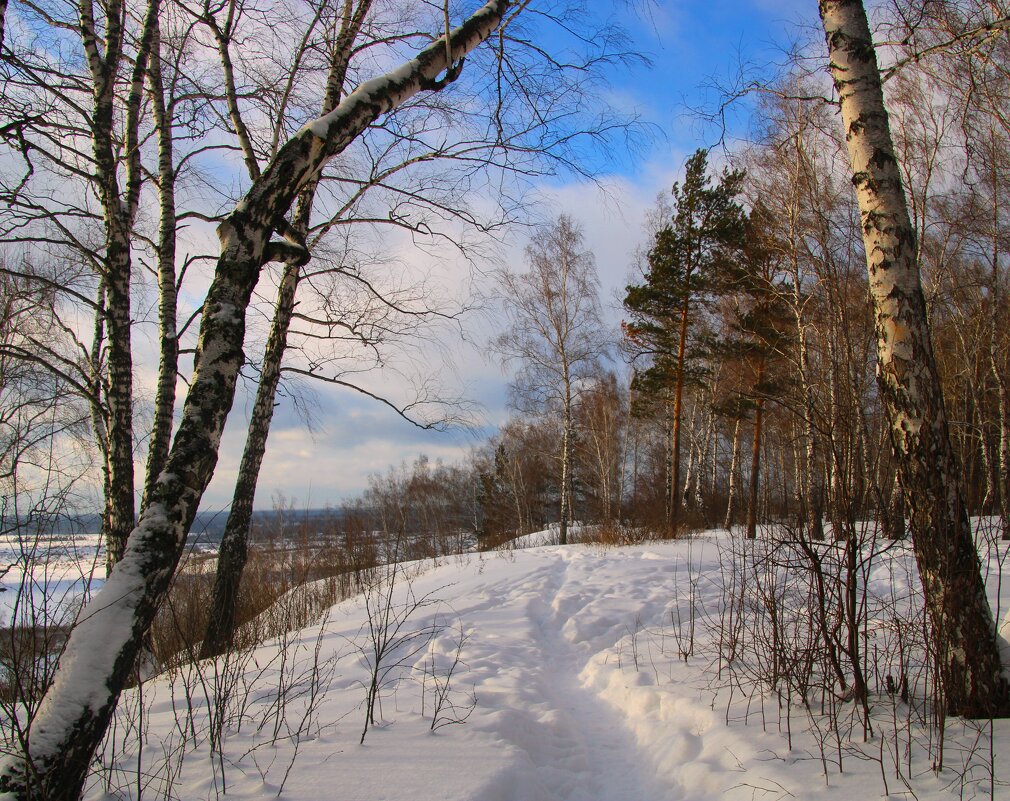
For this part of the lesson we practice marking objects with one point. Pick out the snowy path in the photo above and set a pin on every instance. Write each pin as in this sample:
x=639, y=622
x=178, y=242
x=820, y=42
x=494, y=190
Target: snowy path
x=581, y=749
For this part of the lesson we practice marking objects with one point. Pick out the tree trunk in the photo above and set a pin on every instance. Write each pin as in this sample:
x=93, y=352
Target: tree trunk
x=104, y=59
x=235, y=540
x=755, y=462
x=1003, y=472
x=670, y=491
x=104, y=55
x=909, y=386
x=566, y=459
x=164, y=402
x=996, y=302
x=897, y=516
x=234, y=548
x=100, y=653
x=692, y=449
x=703, y=450
x=675, y=500
x=732, y=475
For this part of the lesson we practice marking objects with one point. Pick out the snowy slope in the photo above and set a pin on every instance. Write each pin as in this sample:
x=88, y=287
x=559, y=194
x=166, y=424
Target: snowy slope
x=574, y=658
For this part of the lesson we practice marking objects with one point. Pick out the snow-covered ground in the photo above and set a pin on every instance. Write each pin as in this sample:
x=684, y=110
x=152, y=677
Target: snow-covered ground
x=54, y=573
x=571, y=659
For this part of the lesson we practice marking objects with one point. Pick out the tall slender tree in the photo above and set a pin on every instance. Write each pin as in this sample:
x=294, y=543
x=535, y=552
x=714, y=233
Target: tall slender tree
x=665, y=308
x=234, y=542
x=101, y=651
x=555, y=334
x=756, y=335
x=909, y=386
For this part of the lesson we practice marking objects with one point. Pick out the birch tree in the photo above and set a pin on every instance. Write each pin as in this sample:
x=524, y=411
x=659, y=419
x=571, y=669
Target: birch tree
x=102, y=649
x=554, y=334
x=233, y=549
x=956, y=602
x=91, y=139
x=755, y=336
x=601, y=414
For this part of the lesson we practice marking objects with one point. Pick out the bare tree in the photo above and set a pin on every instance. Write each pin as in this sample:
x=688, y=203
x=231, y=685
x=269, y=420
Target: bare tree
x=601, y=415
x=414, y=170
x=91, y=137
x=101, y=651
x=909, y=385
x=555, y=334
x=233, y=549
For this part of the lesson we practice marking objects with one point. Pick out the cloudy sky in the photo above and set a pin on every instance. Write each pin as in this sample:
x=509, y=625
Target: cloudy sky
x=689, y=43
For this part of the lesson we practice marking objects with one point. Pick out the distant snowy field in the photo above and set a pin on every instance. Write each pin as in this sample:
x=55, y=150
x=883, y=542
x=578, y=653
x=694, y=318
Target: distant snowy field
x=56, y=571
x=572, y=656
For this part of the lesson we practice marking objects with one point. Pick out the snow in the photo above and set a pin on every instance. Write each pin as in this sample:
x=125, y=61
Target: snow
x=392, y=88
x=47, y=576
x=574, y=657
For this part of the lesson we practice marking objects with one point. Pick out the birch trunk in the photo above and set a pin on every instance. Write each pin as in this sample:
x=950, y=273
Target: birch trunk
x=909, y=387
x=1003, y=464
x=668, y=454
x=233, y=552
x=104, y=63
x=731, y=491
x=234, y=547
x=692, y=449
x=996, y=302
x=755, y=462
x=707, y=443
x=164, y=402
x=104, y=54
x=811, y=505
x=566, y=459
x=100, y=653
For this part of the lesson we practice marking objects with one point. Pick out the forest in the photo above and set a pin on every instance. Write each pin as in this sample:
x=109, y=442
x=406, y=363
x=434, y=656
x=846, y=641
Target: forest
x=217, y=197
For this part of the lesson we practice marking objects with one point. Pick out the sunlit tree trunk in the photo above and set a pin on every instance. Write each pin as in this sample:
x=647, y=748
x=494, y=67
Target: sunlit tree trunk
x=731, y=491
x=566, y=460
x=103, y=42
x=909, y=386
x=233, y=551
x=755, y=462
x=164, y=402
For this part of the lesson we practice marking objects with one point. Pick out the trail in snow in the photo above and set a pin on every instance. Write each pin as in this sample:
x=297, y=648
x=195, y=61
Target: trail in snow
x=580, y=748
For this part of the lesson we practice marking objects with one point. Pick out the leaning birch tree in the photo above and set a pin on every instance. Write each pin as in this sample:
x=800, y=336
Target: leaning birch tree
x=102, y=649
x=962, y=622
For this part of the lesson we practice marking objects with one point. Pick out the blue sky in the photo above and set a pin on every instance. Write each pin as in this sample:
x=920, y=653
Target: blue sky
x=689, y=44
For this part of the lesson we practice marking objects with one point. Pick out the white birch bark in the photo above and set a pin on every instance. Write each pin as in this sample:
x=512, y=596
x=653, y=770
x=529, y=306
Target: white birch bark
x=909, y=387
x=164, y=403
x=731, y=490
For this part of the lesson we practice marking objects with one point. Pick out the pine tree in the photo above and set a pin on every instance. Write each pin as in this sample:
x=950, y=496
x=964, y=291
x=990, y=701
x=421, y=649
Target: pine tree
x=665, y=310
x=756, y=333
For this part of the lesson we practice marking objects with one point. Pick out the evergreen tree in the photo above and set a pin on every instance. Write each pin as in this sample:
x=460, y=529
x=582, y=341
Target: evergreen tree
x=664, y=310
x=756, y=332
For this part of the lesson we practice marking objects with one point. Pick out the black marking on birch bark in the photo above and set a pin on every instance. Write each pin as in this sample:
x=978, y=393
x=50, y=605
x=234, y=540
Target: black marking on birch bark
x=948, y=562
